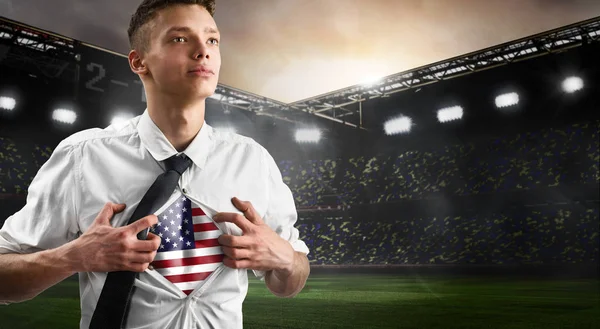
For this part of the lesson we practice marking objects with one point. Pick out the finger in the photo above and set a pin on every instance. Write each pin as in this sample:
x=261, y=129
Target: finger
x=137, y=267
x=108, y=211
x=142, y=224
x=235, y=241
x=142, y=257
x=242, y=222
x=248, y=210
x=232, y=263
x=151, y=244
x=236, y=253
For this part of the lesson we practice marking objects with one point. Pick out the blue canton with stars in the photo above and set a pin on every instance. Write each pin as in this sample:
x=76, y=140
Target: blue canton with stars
x=175, y=227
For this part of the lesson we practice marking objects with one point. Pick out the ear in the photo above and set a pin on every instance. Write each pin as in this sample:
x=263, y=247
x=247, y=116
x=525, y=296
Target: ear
x=136, y=63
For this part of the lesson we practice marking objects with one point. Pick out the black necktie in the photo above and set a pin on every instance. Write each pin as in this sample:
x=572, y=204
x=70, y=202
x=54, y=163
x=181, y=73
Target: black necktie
x=113, y=305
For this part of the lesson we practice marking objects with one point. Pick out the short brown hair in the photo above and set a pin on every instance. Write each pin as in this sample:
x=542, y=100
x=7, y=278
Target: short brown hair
x=139, y=35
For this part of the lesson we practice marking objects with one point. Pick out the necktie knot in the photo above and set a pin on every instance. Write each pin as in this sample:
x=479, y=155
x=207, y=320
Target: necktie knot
x=178, y=163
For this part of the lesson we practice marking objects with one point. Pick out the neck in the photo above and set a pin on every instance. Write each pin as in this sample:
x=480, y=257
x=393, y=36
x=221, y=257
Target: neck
x=179, y=122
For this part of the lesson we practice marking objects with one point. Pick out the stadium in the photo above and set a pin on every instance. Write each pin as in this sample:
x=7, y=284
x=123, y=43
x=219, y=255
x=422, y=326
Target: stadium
x=461, y=194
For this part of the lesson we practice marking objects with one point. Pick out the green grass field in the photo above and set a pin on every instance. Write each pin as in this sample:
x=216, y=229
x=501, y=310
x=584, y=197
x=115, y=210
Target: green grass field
x=375, y=301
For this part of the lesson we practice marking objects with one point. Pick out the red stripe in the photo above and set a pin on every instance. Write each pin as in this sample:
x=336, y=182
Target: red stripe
x=188, y=261
x=207, y=243
x=187, y=292
x=188, y=277
x=197, y=212
x=205, y=227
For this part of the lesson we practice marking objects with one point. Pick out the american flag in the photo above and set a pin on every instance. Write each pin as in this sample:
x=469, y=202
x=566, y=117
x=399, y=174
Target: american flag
x=189, y=251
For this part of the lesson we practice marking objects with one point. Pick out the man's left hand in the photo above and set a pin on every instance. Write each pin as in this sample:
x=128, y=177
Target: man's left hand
x=259, y=247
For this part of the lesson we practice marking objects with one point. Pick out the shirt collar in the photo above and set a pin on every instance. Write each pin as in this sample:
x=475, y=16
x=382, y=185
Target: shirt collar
x=160, y=148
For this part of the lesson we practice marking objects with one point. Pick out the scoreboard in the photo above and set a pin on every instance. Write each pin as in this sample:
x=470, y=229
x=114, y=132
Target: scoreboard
x=106, y=78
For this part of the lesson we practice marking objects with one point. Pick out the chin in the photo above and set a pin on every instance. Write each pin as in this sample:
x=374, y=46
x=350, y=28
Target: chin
x=205, y=91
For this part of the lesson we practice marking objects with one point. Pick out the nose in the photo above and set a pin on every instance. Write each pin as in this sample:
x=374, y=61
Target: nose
x=201, y=55
x=202, y=52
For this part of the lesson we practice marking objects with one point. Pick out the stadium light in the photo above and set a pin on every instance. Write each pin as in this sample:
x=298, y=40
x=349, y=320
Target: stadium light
x=450, y=114
x=398, y=125
x=308, y=135
x=506, y=100
x=120, y=118
x=572, y=84
x=64, y=116
x=7, y=103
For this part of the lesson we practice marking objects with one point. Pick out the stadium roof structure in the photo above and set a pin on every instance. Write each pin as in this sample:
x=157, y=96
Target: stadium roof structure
x=41, y=52
x=57, y=57
x=340, y=104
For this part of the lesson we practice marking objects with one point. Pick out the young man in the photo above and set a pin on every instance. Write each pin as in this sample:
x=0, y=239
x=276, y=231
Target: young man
x=191, y=270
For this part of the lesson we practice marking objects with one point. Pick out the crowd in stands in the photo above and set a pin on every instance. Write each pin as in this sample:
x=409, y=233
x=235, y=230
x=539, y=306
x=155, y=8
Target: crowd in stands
x=525, y=161
x=556, y=235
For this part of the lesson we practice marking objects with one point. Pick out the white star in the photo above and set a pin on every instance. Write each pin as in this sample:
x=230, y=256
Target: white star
x=178, y=216
x=177, y=204
x=173, y=233
x=180, y=238
x=184, y=209
x=188, y=243
x=159, y=224
x=164, y=216
x=185, y=221
x=179, y=227
x=183, y=199
x=162, y=246
x=160, y=235
x=174, y=245
x=172, y=222
x=166, y=228
x=168, y=240
x=170, y=211
x=187, y=232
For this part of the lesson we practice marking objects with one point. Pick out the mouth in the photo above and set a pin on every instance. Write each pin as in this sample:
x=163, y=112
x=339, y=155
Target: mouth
x=201, y=70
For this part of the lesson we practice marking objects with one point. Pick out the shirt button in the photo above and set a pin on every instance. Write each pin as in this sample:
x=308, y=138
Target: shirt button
x=150, y=267
x=184, y=191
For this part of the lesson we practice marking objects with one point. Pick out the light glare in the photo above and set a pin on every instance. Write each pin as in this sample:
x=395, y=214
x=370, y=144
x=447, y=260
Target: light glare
x=120, y=118
x=64, y=116
x=507, y=100
x=450, y=114
x=308, y=135
x=398, y=125
x=7, y=103
x=572, y=84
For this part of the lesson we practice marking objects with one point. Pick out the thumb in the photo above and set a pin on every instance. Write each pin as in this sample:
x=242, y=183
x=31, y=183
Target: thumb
x=107, y=213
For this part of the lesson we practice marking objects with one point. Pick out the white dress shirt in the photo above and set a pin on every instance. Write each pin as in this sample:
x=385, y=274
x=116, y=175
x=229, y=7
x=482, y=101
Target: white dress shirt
x=119, y=164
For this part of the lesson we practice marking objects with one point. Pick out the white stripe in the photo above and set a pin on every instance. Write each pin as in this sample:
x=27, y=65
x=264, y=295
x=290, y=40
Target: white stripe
x=201, y=219
x=207, y=235
x=188, y=285
x=188, y=253
x=188, y=269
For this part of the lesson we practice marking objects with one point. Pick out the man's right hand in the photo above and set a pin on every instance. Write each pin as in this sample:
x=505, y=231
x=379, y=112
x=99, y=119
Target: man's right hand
x=103, y=248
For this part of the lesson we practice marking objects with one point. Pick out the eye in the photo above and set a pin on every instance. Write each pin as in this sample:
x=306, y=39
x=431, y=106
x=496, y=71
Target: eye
x=179, y=38
x=216, y=42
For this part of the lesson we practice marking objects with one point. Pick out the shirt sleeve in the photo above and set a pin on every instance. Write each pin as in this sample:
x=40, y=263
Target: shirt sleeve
x=281, y=213
x=49, y=217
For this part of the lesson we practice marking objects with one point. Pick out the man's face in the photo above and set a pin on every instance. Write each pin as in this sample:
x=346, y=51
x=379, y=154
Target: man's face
x=183, y=57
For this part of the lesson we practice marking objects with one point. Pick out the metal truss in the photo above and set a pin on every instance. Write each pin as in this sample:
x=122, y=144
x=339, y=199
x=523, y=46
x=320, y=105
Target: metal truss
x=335, y=105
x=37, y=52
x=232, y=97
